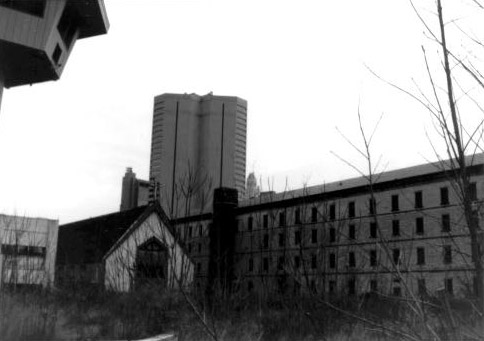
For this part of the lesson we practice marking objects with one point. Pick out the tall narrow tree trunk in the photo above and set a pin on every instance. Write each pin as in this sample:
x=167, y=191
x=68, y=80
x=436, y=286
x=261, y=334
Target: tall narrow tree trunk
x=462, y=174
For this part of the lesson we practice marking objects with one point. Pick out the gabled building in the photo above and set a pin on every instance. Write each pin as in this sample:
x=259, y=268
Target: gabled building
x=121, y=251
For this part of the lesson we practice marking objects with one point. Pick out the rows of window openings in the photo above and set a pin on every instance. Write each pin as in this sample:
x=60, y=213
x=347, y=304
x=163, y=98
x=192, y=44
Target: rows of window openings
x=191, y=247
x=419, y=230
x=396, y=257
x=396, y=290
x=395, y=207
x=195, y=231
x=282, y=262
x=372, y=256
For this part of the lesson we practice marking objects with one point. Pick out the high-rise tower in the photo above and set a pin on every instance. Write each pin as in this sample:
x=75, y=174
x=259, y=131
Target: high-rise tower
x=198, y=144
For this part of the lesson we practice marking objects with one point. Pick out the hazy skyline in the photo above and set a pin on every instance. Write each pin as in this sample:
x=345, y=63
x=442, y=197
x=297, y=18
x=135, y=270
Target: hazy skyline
x=65, y=145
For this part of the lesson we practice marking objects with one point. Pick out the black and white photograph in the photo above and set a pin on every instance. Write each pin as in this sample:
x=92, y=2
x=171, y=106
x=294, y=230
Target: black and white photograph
x=231, y=170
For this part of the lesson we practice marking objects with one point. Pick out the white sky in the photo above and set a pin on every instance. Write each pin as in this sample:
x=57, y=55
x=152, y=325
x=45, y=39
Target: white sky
x=65, y=145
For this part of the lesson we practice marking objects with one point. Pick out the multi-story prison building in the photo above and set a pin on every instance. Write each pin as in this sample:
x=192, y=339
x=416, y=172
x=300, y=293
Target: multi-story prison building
x=333, y=239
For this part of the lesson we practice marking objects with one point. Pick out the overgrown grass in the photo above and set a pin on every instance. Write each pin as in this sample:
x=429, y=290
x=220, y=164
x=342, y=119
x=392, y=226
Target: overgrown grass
x=92, y=315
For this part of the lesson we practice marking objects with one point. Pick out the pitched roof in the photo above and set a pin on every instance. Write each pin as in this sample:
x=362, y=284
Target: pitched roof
x=389, y=176
x=87, y=241
x=156, y=208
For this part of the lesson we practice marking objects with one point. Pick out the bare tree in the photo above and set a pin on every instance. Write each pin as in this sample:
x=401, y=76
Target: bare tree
x=463, y=81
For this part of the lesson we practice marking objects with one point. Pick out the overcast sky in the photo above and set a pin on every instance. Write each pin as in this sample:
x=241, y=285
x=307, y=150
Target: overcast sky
x=65, y=145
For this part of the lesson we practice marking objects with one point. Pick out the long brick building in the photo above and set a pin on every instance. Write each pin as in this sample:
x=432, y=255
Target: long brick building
x=333, y=240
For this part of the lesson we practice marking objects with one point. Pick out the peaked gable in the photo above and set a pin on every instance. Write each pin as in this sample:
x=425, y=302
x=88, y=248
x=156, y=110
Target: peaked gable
x=87, y=241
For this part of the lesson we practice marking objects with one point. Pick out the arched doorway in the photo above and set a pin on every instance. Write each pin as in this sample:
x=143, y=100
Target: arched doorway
x=151, y=267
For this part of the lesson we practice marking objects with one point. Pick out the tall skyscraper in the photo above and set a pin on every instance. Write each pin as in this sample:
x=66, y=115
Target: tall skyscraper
x=198, y=144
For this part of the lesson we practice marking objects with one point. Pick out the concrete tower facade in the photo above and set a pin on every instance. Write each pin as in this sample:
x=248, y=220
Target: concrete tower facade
x=37, y=37
x=198, y=144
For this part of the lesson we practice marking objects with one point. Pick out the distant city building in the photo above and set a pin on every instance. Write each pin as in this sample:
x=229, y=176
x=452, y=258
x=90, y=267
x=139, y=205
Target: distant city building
x=134, y=192
x=198, y=144
x=37, y=37
x=252, y=189
x=28, y=251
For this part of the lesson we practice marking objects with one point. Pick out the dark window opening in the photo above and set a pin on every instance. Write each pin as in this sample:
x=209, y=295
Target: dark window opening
x=314, y=236
x=418, y=199
x=251, y=265
x=395, y=206
x=250, y=223
x=352, y=287
x=351, y=209
x=297, y=216
x=314, y=215
x=445, y=223
x=396, y=256
x=68, y=25
x=419, y=225
x=420, y=256
x=373, y=258
x=297, y=262
x=449, y=286
x=151, y=263
x=332, y=235
x=395, y=228
x=422, y=288
x=280, y=263
x=332, y=260
x=314, y=262
x=281, y=239
x=397, y=291
x=473, y=191
x=266, y=241
x=332, y=212
x=373, y=230
x=36, y=8
x=265, y=264
x=23, y=250
x=265, y=221
x=332, y=286
x=200, y=230
x=447, y=254
x=352, y=231
x=282, y=219
x=444, y=196
x=373, y=285
x=297, y=237
x=351, y=260
x=372, y=206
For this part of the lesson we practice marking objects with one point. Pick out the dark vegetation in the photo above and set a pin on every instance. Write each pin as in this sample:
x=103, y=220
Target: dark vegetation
x=95, y=315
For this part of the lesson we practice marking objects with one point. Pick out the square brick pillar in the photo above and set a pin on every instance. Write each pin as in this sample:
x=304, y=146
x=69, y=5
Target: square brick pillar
x=222, y=241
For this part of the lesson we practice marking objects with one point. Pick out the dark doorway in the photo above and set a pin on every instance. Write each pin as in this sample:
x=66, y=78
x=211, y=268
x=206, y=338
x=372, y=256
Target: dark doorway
x=151, y=264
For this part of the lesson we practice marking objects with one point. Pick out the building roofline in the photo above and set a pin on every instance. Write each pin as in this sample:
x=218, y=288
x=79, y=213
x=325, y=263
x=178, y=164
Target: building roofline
x=94, y=17
x=201, y=98
x=154, y=208
x=403, y=177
